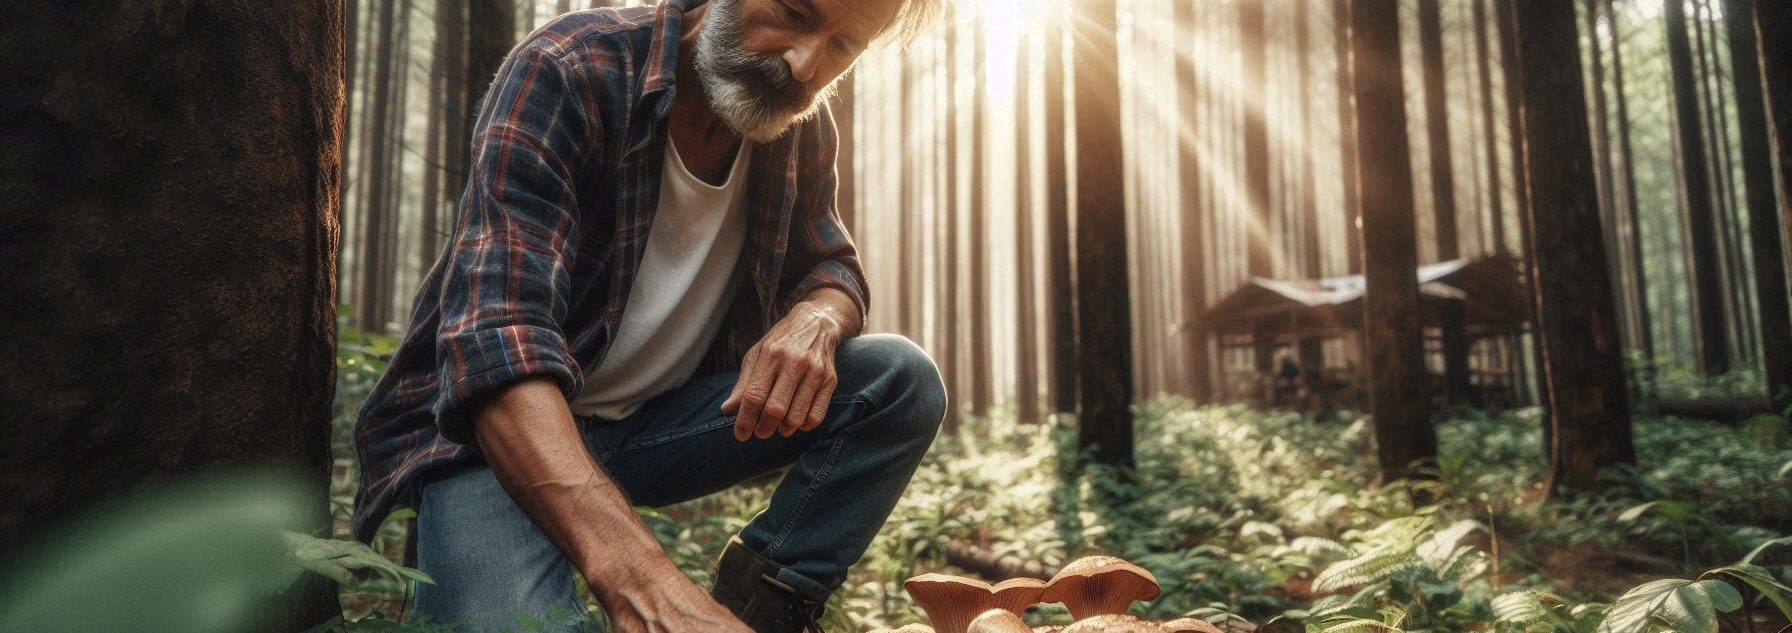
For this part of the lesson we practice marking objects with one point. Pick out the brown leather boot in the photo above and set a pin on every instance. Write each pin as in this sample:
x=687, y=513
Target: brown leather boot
x=747, y=584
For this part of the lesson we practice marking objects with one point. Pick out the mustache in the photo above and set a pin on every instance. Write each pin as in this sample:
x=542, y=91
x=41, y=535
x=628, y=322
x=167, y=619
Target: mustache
x=767, y=78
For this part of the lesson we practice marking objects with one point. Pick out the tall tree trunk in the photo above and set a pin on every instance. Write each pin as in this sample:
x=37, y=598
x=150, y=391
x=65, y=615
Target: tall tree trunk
x=846, y=163
x=1026, y=331
x=1057, y=218
x=1505, y=17
x=491, y=32
x=1347, y=138
x=375, y=213
x=1391, y=320
x=1707, y=285
x=1259, y=242
x=982, y=374
x=1773, y=40
x=1496, y=195
x=170, y=253
x=1636, y=280
x=956, y=228
x=1308, y=207
x=1757, y=166
x=1443, y=193
x=1193, y=251
x=1103, y=336
x=1742, y=336
x=1588, y=409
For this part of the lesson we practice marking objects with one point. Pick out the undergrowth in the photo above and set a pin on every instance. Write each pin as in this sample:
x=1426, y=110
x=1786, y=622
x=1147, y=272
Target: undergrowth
x=1276, y=518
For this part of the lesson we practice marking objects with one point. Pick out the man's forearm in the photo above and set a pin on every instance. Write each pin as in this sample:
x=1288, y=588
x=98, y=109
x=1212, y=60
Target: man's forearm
x=528, y=437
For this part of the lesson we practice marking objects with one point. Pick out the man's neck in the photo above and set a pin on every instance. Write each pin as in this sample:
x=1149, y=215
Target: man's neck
x=706, y=144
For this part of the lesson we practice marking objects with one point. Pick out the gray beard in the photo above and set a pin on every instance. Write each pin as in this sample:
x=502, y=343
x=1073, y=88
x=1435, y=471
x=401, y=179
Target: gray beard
x=753, y=94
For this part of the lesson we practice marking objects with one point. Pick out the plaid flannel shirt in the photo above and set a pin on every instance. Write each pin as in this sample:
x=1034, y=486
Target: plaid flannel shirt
x=561, y=191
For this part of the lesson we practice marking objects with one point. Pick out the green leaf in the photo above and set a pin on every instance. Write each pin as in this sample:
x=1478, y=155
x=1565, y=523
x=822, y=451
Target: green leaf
x=1784, y=540
x=1763, y=582
x=338, y=559
x=1687, y=606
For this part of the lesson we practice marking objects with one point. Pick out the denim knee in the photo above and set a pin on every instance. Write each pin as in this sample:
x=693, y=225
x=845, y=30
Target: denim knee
x=915, y=389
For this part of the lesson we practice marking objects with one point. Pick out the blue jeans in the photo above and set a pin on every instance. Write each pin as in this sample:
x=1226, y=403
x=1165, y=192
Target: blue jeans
x=490, y=562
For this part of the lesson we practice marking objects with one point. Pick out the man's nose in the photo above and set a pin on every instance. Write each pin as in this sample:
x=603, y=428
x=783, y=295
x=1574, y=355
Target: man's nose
x=803, y=58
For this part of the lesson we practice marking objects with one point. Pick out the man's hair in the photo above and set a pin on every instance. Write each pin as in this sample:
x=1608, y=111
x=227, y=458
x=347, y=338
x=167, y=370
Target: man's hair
x=912, y=18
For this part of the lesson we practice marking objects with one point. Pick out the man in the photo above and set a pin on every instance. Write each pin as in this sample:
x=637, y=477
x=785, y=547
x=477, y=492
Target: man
x=649, y=297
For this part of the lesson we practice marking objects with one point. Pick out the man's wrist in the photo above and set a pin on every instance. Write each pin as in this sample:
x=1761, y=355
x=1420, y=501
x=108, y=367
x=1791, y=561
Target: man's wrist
x=832, y=308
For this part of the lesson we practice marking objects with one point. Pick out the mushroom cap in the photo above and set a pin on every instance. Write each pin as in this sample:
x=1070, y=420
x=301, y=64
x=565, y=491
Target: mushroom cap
x=907, y=628
x=1100, y=585
x=1191, y=625
x=998, y=621
x=951, y=602
x=1016, y=594
x=1114, y=623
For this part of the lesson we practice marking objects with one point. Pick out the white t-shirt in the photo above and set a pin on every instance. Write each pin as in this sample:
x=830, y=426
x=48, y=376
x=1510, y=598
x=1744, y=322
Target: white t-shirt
x=680, y=294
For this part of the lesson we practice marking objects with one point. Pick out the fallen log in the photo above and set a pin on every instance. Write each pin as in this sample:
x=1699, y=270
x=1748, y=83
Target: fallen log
x=990, y=565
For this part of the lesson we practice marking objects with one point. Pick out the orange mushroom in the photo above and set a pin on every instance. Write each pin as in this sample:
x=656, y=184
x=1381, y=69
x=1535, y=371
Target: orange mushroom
x=998, y=621
x=951, y=602
x=1191, y=625
x=1114, y=623
x=1100, y=585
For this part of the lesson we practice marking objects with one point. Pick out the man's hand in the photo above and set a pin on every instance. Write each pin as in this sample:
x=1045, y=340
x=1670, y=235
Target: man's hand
x=787, y=378
x=527, y=435
x=671, y=604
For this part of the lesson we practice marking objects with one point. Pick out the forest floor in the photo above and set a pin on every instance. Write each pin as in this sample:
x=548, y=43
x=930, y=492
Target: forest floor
x=1273, y=518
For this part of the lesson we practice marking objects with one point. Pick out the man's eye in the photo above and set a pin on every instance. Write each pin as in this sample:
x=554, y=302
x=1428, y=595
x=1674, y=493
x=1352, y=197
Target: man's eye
x=792, y=13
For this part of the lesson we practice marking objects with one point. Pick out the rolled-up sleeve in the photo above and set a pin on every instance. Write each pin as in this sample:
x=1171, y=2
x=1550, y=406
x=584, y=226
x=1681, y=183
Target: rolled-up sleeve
x=822, y=254
x=505, y=287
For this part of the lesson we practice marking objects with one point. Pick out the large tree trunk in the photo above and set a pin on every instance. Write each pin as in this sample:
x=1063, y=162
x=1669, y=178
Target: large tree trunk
x=1062, y=333
x=1026, y=330
x=169, y=234
x=982, y=374
x=1443, y=192
x=1635, y=280
x=1496, y=195
x=1773, y=39
x=1391, y=320
x=1258, y=242
x=1103, y=336
x=1757, y=167
x=491, y=32
x=1706, y=280
x=1347, y=138
x=1588, y=409
x=376, y=177
x=1729, y=232
x=1193, y=251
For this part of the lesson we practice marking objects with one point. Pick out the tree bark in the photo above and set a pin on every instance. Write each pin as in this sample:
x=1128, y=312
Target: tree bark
x=1026, y=332
x=1443, y=193
x=1403, y=431
x=1773, y=42
x=1775, y=320
x=1258, y=242
x=1104, y=341
x=169, y=232
x=1588, y=409
x=1496, y=195
x=1194, y=252
x=1057, y=220
x=1636, y=279
x=491, y=32
x=376, y=175
x=1347, y=138
x=982, y=375
x=1707, y=284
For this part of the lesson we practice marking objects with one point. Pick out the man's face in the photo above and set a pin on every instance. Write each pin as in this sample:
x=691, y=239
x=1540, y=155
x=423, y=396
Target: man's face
x=767, y=64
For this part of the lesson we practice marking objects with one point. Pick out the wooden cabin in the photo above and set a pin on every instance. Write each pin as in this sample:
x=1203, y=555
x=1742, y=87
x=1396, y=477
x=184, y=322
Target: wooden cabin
x=1316, y=324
